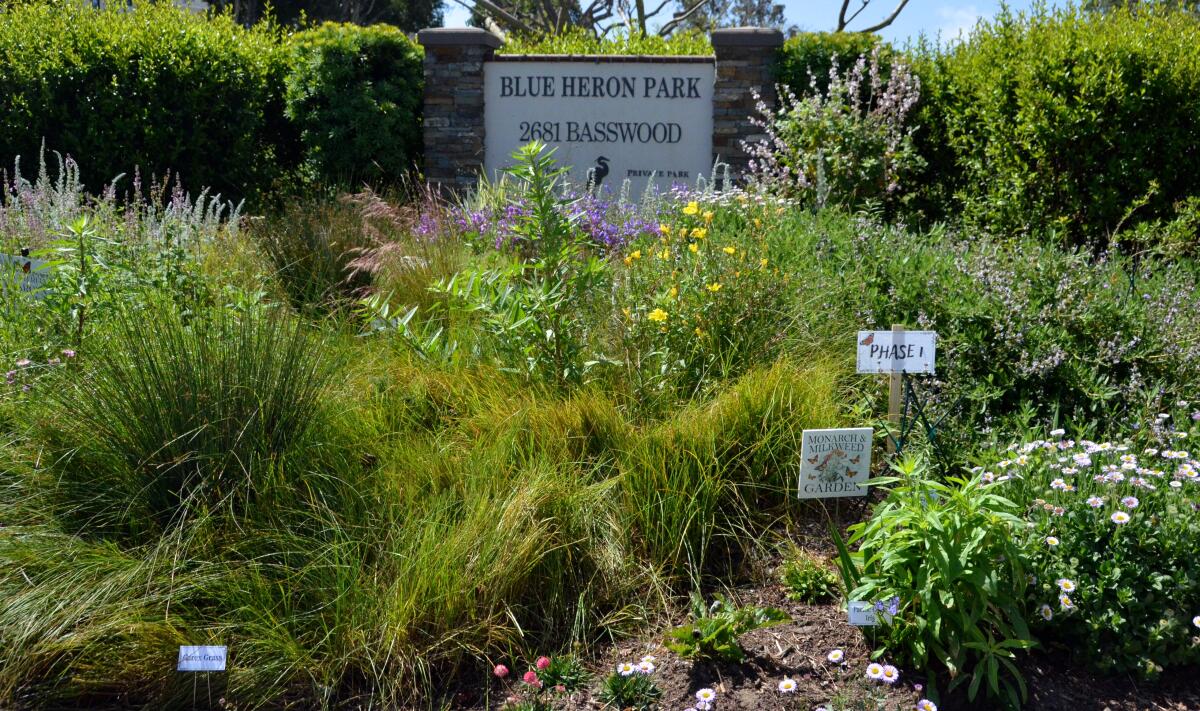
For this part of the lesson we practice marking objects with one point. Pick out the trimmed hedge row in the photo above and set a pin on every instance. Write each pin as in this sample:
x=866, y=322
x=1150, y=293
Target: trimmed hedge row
x=239, y=110
x=1059, y=121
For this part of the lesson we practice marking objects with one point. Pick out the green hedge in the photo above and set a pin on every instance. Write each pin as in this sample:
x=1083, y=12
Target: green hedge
x=815, y=52
x=354, y=94
x=1064, y=120
x=156, y=88
x=578, y=41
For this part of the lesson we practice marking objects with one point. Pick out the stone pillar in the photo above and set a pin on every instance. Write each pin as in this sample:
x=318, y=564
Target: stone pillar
x=453, y=121
x=745, y=61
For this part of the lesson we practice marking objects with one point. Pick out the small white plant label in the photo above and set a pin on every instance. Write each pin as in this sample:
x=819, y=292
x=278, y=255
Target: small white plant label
x=202, y=659
x=862, y=613
x=896, y=351
x=835, y=462
x=29, y=274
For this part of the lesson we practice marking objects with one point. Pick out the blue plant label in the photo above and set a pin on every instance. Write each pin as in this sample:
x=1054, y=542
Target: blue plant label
x=896, y=351
x=202, y=658
x=862, y=613
x=835, y=462
x=30, y=275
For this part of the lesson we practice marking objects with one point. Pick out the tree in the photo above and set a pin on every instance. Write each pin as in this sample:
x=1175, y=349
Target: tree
x=741, y=13
x=598, y=17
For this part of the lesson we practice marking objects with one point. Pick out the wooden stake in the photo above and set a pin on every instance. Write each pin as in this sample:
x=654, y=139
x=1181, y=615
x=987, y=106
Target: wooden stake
x=895, y=395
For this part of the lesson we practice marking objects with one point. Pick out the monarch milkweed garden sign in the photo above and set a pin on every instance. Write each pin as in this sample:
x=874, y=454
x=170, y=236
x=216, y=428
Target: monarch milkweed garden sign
x=835, y=462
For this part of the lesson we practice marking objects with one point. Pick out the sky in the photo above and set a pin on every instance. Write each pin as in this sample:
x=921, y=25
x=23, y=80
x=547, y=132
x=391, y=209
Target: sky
x=947, y=17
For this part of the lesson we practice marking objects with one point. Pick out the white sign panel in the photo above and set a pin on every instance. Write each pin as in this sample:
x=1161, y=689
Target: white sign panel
x=202, y=659
x=609, y=120
x=896, y=351
x=835, y=462
x=862, y=614
x=31, y=274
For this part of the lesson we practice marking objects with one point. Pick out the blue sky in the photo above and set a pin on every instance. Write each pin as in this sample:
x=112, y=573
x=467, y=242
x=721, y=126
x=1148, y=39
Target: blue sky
x=928, y=16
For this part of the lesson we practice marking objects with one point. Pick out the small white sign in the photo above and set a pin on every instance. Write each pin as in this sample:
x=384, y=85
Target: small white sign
x=896, y=351
x=835, y=462
x=30, y=274
x=862, y=614
x=197, y=659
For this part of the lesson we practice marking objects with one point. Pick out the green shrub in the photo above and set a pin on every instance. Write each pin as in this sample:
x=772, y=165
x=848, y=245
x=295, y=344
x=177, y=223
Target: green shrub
x=1114, y=541
x=808, y=578
x=157, y=88
x=576, y=40
x=947, y=555
x=804, y=60
x=355, y=95
x=1065, y=120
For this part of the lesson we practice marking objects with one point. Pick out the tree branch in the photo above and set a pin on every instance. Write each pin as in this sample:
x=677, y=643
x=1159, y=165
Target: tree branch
x=497, y=12
x=679, y=18
x=842, y=16
x=887, y=20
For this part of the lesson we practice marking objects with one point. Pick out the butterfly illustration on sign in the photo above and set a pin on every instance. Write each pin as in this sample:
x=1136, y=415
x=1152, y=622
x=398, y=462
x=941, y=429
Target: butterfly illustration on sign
x=834, y=466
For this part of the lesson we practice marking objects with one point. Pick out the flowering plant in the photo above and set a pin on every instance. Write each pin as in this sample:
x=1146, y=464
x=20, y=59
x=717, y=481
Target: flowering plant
x=714, y=630
x=1120, y=587
x=630, y=686
x=943, y=557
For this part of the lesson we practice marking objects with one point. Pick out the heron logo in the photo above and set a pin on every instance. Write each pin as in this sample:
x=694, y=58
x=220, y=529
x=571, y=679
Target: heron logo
x=598, y=172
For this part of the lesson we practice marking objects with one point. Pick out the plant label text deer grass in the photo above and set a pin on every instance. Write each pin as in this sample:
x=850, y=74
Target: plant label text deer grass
x=201, y=658
x=835, y=462
x=896, y=351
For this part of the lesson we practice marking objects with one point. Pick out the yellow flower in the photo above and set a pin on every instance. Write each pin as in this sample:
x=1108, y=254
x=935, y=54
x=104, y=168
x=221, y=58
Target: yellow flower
x=683, y=231
x=699, y=332
x=730, y=250
x=699, y=233
x=757, y=222
x=692, y=208
x=665, y=254
x=693, y=248
x=737, y=274
x=628, y=261
x=674, y=292
x=665, y=229
x=657, y=315
x=637, y=254
x=714, y=288
x=708, y=217
x=762, y=262
x=627, y=312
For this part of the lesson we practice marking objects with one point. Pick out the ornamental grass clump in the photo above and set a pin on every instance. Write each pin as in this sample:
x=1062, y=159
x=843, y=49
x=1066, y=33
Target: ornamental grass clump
x=178, y=415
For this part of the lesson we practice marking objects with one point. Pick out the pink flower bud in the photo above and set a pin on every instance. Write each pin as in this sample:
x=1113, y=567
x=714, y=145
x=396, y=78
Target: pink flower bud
x=500, y=671
x=543, y=663
x=560, y=689
x=531, y=678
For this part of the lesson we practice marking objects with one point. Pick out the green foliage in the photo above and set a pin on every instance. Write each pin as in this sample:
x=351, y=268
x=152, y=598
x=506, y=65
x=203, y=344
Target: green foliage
x=629, y=691
x=534, y=305
x=1132, y=590
x=576, y=40
x=806, y=58
x=948, y=553
x=809, y=579
x=850, y=145
x=714, y=630
x=1065, y=120
x=566, y=671
x=311, y=246
x=183, y=415
x=354, y=94
x=157, y=88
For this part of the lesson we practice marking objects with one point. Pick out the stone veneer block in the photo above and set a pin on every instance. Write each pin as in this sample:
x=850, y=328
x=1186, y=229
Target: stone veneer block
x=453, y=121
x=745, y=61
